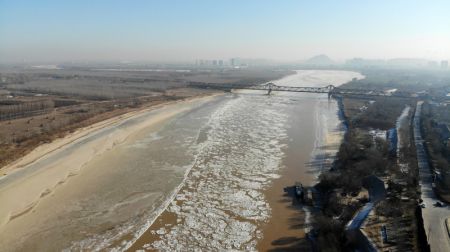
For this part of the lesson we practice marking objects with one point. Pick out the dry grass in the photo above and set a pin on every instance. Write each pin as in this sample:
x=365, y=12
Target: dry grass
x=37, y=106
x=18, y=137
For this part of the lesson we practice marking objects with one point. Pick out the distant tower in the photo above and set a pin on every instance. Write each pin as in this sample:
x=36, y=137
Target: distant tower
x=235, y=62
x=444, y=64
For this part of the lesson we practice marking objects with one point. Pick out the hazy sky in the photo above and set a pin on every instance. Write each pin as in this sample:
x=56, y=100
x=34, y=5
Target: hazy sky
x=151, y=30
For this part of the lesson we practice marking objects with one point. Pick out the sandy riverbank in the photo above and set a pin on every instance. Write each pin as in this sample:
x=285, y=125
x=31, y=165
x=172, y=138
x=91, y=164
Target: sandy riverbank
x=242, y=150
x=51, y=167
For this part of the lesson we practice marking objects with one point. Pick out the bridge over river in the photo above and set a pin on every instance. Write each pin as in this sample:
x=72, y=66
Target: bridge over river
x=330, y=90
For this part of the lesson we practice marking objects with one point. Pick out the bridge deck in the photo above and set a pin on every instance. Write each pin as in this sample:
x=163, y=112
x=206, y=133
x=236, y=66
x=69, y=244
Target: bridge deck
x=330, y=90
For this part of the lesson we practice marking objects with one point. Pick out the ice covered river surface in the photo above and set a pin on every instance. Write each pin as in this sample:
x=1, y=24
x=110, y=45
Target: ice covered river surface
x=210, y=178
x=248, y=148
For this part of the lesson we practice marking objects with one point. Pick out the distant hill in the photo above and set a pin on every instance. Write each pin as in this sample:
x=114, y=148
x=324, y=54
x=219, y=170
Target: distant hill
x=321, y=59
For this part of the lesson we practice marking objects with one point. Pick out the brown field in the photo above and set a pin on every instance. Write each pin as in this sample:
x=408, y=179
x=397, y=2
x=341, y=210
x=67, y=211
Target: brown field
x=37, y=105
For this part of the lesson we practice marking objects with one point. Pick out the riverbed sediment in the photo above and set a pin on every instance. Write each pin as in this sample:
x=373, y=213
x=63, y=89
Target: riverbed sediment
x=200, y=174
x=53, y=174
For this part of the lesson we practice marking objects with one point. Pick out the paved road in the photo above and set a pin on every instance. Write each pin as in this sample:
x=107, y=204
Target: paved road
x=434, y=217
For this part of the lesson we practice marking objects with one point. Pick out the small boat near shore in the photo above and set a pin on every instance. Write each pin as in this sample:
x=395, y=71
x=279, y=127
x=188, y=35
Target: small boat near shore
x=299, y=190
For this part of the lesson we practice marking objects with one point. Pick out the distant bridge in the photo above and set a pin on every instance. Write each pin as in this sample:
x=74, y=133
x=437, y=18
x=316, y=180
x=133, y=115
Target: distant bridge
x=330, y=90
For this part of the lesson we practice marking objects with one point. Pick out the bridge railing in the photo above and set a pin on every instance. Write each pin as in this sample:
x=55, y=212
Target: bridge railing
x=330, y=89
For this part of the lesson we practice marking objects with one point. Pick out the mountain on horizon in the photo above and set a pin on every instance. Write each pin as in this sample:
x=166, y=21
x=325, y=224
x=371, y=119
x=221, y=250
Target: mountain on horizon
x=321, y=59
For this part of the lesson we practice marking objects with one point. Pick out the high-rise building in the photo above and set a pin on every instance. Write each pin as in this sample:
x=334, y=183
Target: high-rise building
x=444, y=64
x=235, y=62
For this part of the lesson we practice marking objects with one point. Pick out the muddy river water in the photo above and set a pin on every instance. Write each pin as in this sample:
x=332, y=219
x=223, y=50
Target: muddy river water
x=208, y=178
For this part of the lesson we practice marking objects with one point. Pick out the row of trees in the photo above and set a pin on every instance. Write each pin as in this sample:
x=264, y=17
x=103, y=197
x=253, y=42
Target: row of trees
x=381, y=114
x=359, y=156
x=438, y=147
x=14, y=78
x=24, y=109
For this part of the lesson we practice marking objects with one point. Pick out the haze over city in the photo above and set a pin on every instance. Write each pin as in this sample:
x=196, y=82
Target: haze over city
x=182, y=31
x=213, y=125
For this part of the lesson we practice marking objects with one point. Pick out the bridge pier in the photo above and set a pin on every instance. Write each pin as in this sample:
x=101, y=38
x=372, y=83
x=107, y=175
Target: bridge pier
x=330, y=90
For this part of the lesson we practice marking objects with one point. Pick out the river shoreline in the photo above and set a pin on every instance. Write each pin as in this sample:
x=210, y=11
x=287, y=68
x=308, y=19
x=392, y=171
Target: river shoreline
x=33, y=179
x=290, y=221
x=306, y=153
x=259, y=152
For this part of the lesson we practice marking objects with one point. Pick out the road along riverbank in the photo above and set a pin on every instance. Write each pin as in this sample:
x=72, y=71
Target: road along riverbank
x=434, y=218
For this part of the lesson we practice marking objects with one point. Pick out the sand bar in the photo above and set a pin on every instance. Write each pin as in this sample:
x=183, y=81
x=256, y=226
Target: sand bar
x=50, y=166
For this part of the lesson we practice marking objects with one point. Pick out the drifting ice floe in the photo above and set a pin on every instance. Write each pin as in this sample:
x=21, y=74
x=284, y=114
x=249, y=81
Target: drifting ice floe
x=222, y=201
